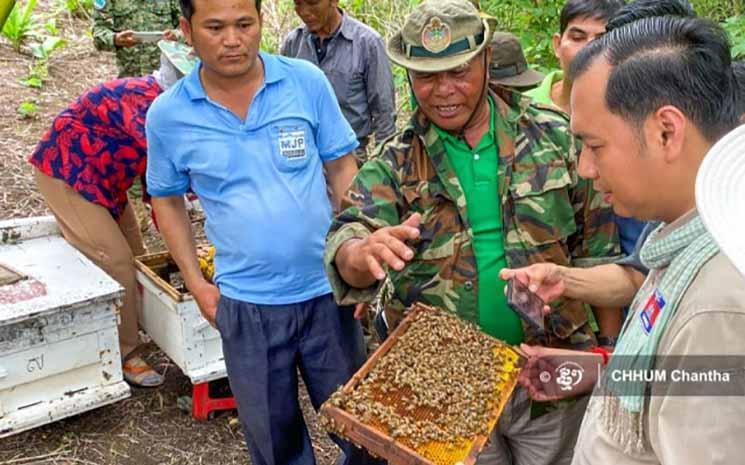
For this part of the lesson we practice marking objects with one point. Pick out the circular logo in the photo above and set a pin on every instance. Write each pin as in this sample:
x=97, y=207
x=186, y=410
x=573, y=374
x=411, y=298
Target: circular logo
x=436, y=35
x=545, y=377
x=568, y=375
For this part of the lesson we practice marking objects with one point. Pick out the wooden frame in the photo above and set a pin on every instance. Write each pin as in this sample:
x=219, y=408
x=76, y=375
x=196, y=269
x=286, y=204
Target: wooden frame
x=379, y=443
x=146, y=263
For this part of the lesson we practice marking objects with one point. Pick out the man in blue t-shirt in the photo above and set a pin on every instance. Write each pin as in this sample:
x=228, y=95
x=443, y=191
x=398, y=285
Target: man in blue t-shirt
x=251, y=134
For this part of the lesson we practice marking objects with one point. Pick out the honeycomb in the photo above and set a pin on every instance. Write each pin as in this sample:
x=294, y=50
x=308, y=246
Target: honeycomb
x=206, y=257
x=437, y=389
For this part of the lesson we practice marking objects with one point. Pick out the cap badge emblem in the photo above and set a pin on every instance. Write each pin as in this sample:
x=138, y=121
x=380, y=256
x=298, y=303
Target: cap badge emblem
x=436, y=35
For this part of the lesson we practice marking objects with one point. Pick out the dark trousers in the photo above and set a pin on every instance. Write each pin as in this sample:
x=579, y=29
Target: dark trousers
x=264, y=347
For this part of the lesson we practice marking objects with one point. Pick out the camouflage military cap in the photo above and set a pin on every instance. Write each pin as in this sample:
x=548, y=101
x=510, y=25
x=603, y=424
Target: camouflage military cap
x=440, y=35
x=180, y=55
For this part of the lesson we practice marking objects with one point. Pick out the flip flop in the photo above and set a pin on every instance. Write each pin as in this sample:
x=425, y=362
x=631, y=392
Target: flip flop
x=137, y=372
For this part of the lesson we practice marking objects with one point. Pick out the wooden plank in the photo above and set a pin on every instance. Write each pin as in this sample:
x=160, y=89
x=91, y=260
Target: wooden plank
x=375, y=441
x=146, y=263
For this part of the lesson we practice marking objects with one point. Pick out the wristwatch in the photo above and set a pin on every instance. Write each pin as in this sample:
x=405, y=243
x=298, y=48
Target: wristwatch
x=607, y=341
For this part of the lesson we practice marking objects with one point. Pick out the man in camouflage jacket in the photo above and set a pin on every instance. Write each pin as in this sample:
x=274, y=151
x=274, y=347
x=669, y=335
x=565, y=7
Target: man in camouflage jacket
x=410, y=191
x=114, y=21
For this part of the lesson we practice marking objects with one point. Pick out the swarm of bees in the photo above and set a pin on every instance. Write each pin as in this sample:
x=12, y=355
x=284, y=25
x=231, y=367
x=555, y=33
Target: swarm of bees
x=441, y=382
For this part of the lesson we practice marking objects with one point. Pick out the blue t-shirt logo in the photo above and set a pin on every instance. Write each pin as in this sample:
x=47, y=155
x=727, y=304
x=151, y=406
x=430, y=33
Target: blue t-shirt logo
x=292, y=142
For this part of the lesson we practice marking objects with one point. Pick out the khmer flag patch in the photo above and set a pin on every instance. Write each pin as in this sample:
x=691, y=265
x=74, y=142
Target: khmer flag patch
x=651, y=311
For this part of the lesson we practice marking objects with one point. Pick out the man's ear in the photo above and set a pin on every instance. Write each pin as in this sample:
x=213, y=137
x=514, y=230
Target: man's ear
x=555, y=42
x=186, y=29
x=667, y=131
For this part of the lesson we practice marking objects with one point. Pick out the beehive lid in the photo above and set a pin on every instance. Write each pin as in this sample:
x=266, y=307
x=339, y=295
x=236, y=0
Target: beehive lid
x=53, y=275
x=390, y=407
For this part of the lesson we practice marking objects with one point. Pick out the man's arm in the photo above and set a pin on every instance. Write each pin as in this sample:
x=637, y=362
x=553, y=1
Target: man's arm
x=381, y=96
x=361, y=262
x=340, y=173
x=175, y=227
x=105, y=37
x=600, y=286
x=367, y=228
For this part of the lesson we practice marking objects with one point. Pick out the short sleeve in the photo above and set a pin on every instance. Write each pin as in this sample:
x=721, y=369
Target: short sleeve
x=164, y=178
x=334, y=136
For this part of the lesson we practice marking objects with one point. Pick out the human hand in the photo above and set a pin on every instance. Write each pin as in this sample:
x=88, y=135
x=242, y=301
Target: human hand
x=387, y=246
x=207, y=296
x=125, y=39
x=170, y=34
x=554, y=374
x=544, y=279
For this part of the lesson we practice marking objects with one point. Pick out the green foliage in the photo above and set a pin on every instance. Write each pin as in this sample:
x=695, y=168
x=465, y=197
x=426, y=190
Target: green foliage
x=534, y=22
x=280, y=19
x=718, y=10
x=735, y=26
x=28, y=109
x=33, y=81
x=43, y=50
x=79, y=8
x=21, y=23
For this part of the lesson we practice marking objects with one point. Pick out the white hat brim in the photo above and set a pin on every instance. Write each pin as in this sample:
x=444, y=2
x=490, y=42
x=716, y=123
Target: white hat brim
x=720, y=195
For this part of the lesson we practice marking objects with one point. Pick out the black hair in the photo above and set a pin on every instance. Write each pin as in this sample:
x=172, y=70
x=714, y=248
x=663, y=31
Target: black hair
x=667, y=60
x=187, y=8
x=596, y=9
x=738, y=70
x=640, y=9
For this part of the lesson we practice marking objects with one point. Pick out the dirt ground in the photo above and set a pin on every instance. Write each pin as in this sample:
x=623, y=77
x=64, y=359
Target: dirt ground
x=148, y=428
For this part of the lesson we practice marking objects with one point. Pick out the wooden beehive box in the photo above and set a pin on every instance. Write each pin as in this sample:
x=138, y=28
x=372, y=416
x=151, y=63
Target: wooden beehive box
x=59, y=345
x=171, y=317
x=405, y=403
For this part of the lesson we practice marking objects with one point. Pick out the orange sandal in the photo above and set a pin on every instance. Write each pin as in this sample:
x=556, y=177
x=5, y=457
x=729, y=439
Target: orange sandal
x=137, y=372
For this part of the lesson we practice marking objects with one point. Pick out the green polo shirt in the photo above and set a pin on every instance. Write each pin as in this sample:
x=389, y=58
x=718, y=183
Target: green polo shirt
x=476, y=169
x=542, y=93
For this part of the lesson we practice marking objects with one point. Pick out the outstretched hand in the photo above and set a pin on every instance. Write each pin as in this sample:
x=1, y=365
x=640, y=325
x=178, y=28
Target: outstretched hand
x=544, y=279
x=387, y=246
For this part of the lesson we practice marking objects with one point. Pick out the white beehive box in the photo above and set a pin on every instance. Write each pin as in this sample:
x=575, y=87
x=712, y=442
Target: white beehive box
x=59, y=347
x=172, y=319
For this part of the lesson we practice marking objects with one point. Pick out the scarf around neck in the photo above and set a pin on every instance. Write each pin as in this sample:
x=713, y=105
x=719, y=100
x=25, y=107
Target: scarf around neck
x=683, y=252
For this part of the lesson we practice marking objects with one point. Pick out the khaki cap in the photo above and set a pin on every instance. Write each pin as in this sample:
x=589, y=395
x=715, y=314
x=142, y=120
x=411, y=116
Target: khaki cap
x=440, y=35
x=508, y=64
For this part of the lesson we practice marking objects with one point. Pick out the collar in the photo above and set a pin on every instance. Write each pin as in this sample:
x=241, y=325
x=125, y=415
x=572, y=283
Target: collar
x=665, y=230
x=346, y=28
x=273, y=72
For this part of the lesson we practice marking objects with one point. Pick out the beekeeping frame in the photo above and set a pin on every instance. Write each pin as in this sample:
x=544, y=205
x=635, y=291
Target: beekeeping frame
x=380, y=443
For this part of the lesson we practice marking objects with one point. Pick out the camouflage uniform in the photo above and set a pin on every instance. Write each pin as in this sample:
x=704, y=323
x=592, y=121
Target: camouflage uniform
x=112, y=16
x=549, y=215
